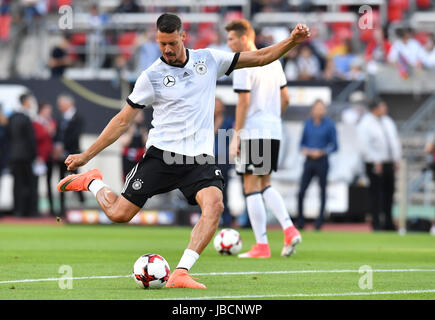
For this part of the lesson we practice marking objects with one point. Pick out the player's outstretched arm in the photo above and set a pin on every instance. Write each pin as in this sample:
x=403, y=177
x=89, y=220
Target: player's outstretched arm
x=114, y=129
x=271, y=53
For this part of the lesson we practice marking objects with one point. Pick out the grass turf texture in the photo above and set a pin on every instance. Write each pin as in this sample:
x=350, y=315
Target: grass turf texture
x=34, y=252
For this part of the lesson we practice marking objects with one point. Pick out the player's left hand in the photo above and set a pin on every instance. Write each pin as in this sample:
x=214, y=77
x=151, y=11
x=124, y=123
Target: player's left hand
x=300, y=33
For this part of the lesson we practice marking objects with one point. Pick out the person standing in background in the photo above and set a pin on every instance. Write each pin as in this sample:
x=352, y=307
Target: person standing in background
x=22, y=154
x=221, y=153
x=319, y=140
x=4, y=143
x=59, y=58
x=262, y=99
x=45, y=129
x=429, y=149
x=67, y=139
x=381, y=151
x=133, y=144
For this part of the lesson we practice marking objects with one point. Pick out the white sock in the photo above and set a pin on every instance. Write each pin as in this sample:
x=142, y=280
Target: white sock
x=95, y=186
x=257, y=216
x=188, y=259
x=275, y=203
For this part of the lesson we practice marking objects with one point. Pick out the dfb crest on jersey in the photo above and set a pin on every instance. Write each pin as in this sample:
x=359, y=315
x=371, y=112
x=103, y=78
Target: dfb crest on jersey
x=200, y=68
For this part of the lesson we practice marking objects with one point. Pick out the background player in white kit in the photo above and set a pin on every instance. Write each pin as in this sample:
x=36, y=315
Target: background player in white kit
x=180, y=86
x=262, y=99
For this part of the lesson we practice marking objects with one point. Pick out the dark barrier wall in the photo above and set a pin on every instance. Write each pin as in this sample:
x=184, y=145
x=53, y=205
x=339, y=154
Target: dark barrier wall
x=97, y=100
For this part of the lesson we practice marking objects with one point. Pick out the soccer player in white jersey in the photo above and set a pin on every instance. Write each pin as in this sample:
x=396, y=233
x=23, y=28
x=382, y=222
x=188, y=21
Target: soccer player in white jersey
x=262, y=99
x=180, y=87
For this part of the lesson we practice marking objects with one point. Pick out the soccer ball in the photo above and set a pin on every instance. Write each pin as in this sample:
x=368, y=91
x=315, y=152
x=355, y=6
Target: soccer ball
x=228, y=241
x=151, y=271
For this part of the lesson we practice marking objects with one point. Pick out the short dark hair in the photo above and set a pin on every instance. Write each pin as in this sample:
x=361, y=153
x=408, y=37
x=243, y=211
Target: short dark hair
x=42, y=105
x=23, y=97
x=241, y=27
x=318, y=100
x=375, y=102
x=169, y=23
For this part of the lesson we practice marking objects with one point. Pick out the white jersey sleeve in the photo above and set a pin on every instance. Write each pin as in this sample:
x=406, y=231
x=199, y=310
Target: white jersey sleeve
x=143, y=93
x=226, y=61
x=241, y=80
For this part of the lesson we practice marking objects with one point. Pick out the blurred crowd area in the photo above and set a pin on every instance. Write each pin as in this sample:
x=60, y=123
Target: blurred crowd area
x=340, y=50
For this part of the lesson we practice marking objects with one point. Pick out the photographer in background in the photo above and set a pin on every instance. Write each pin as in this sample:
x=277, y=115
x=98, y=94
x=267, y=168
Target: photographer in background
x=429, y=149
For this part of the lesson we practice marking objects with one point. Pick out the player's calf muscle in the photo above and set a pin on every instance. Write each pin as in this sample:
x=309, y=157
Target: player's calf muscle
x=114, y=207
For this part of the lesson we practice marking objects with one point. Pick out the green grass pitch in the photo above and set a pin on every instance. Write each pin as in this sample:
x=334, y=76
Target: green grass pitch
x=325, y=265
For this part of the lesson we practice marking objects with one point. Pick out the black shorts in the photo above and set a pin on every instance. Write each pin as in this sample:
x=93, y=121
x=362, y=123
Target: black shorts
x=152, y=175
x=258, y=157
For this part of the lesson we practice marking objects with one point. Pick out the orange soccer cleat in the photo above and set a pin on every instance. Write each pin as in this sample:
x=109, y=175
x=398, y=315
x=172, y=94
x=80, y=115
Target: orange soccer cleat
x=180, y=278
x=79, y=182
x=292, y=238
x=259, y=250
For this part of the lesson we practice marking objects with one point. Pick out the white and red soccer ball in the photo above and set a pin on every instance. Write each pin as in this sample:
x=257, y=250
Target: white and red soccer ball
x=228, y=242
x=151, y=271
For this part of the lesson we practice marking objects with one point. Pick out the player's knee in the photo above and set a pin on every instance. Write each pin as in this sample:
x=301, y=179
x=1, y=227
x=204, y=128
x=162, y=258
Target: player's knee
x=214, y=207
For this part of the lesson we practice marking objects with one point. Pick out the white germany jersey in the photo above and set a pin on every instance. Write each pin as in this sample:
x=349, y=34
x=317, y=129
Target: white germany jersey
x=263, y=120
x=183, y=100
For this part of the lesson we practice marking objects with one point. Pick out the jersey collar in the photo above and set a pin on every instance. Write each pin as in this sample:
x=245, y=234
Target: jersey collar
x=178, y=66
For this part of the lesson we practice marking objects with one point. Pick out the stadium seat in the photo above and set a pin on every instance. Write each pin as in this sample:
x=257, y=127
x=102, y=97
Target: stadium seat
x=5, y=26
x=60, y=3
x=423, y=4
x=342, y=30
x=125, y=43
x=396, y=8
x=205, y=38
x=366, y=35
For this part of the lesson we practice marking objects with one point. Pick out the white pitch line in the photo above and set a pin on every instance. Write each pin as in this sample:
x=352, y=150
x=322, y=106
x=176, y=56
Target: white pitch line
x=306, y=271
x=63, y=279
x=223, y=274
x=306, y=295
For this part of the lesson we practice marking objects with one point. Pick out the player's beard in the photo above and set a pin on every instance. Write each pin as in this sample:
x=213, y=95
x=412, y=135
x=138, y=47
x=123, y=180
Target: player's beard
x=175, y=61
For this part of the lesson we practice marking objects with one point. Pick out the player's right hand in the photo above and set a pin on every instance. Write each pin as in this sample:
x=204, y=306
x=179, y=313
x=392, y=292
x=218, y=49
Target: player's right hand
x=234, y=149
x=75, y=160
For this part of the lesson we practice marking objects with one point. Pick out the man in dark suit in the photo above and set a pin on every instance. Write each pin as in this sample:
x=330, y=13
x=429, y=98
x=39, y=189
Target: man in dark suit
x=67, y=139
x=22, y=153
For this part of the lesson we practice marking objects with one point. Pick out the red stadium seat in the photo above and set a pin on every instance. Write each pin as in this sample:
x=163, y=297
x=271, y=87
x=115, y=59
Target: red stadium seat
x=366, y=35
x=5, y=26
x=205, y=38
x=60, y=3
x=342, y=30
x=210, y=9
x=125, y=43
x=78, y=39
x=423, y=4
x=396, y=8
